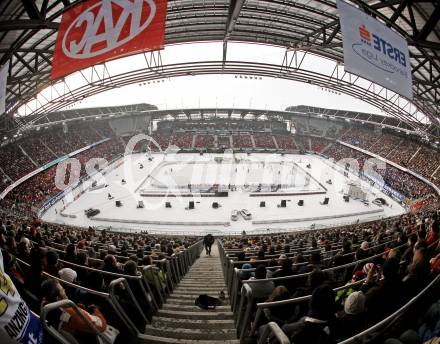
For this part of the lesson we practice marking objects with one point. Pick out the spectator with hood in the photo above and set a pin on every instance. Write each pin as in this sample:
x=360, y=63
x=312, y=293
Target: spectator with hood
x=317, y=326
x=382, y=293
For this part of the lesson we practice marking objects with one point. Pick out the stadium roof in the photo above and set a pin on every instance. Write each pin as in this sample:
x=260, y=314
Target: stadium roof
x=211, y=113
x=28, y=31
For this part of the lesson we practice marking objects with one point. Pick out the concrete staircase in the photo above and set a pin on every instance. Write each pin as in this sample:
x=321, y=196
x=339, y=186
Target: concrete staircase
x=181, y=321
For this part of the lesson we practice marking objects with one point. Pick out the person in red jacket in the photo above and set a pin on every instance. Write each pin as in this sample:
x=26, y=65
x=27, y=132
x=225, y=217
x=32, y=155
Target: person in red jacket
x=67, y=318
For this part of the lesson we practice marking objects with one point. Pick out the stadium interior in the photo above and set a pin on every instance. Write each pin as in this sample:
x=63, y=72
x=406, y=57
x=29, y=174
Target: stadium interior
x=360, y=282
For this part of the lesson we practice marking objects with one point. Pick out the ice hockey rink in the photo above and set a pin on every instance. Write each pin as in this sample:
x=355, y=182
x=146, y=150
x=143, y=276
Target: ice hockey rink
x=246, y=179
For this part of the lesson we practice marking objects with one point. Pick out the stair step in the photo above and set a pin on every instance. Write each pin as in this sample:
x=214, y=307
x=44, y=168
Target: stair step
x=194, y=323
x=205, y=285
x=190, y=296
x=194, y=308
x=198, y=334
x=201, y=314
x=148, y=339
x=198, y=277
x=181, y=301
x=197, y=292
x=189, y=301
x=200, y=290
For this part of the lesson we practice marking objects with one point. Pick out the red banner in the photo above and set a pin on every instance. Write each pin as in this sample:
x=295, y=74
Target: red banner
x=100, y=30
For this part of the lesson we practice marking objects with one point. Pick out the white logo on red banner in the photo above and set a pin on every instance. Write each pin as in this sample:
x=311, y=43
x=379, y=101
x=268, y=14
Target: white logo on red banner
x=100, y=30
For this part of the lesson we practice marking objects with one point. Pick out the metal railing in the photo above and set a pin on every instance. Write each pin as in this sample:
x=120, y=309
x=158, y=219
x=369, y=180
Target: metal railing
x=229, y=263
x=273, y=331
x=56, y=334
x=234, y=290
x=243, y=309
x=397, y=315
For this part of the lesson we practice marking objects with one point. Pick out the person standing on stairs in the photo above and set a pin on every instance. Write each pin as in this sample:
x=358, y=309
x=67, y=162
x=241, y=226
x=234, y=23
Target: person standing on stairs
x=208, y=240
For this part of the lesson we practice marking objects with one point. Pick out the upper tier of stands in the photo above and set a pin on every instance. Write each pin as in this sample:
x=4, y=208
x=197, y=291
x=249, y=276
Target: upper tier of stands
x=28, y=153
x=403, y=250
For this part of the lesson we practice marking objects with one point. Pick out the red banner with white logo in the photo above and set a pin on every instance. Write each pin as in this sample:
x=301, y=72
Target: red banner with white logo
x=100, y=30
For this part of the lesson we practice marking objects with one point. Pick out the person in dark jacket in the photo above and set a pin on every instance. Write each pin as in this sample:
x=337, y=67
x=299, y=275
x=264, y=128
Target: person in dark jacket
x=208, y=240
x=352, y=320
x=384, y=296
x=316, y=327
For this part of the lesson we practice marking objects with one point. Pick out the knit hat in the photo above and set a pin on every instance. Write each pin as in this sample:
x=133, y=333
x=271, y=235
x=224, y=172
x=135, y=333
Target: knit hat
x=67, y=274
x=282, y=257
x=355, y=303
x=367, y=267
x=365, y=245
x=243, y=274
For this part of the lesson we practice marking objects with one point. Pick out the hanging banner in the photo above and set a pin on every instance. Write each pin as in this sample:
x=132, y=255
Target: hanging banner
x=3, y=80
x=100, y=30
x=373, y=51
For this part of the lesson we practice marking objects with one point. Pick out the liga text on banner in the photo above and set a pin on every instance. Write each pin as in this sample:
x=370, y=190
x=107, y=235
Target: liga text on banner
x=374, y=51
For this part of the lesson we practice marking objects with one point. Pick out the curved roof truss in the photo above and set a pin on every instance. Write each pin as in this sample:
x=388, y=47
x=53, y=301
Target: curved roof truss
x=28, y=31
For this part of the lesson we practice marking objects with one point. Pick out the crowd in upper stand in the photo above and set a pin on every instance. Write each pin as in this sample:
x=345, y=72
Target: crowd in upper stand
x=204, y=141
x=31, y=194
x=403, y=182
x=383, y=264
x=242, y=141
x=45, y=145
x=262, y=140
x=27, y=153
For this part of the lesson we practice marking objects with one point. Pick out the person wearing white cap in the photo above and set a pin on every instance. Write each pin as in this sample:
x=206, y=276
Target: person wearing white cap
x=68, y=275
x=352, y=320
x=365, y=246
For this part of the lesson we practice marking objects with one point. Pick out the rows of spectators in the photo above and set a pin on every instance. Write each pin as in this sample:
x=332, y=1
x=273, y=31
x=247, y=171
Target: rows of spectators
x=285, y=141
x=49, y=263
x=400, y=181
x=264, y=140
x=31, y=194
x=29, y=152
x=182, y=139
x=204, y=141
x=319, y=144
x=383, y=265
x=401, y=150
x=242, y=141
x=223, y=141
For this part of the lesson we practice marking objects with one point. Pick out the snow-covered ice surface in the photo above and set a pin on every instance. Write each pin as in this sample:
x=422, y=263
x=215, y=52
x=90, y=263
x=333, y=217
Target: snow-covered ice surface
x=170, y=174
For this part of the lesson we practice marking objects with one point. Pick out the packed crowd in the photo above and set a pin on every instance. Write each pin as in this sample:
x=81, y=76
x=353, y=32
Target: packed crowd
x=229, y=125
x=49, y=263
x=402, y=182
x=204, y=141
x=372, y=261
x=30, y=195
x=264, y=140
x=242, y=141
x=223, y=141
x=401, y=150
x=285, y=141
x=319, y=144
x=29, y=152
x=182, y=139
